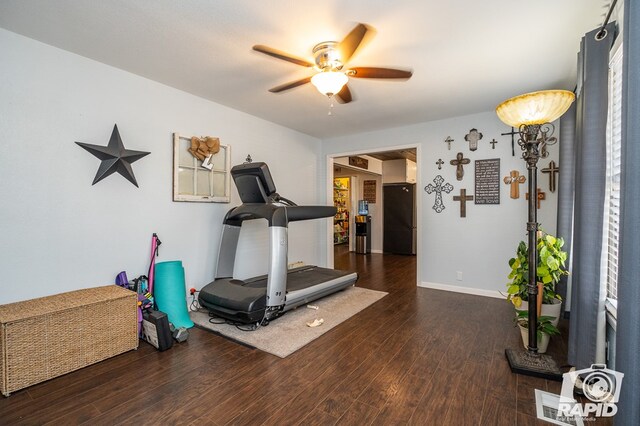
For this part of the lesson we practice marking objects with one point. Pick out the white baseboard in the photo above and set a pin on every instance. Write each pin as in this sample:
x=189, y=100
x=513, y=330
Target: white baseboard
x=459, y=289
x=376, y=251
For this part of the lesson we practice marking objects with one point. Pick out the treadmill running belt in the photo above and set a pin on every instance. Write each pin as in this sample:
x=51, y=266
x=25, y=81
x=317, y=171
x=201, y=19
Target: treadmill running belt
x=299, y=279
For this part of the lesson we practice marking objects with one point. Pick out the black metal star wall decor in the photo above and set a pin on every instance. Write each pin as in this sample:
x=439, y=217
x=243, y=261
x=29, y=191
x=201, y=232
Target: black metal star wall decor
x=115, y=158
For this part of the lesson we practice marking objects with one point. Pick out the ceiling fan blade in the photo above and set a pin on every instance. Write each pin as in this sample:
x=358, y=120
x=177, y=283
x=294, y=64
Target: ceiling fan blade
x=373, y=72
x=291, y=85
x=281, y=55
x=344, y=95
x=351, y=42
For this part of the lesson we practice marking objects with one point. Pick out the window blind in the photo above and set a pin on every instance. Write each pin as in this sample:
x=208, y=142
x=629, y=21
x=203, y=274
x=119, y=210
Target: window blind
x=614, y=141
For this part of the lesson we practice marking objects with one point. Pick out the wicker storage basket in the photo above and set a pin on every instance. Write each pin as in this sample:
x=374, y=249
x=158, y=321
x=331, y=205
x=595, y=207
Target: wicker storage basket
x=46, y=337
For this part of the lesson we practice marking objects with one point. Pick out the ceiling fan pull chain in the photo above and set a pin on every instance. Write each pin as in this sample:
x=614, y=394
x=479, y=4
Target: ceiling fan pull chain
x=330, y=97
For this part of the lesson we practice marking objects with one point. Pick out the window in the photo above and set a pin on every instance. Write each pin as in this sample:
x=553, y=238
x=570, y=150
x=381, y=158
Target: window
x=612, y=200
x=192, y=181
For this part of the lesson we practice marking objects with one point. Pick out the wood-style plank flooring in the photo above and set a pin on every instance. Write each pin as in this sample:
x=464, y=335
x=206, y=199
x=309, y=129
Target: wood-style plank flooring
x=418, y=356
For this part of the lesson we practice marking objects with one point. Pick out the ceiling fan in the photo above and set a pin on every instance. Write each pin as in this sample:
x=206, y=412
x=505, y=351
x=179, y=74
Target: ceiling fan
x=330, y=59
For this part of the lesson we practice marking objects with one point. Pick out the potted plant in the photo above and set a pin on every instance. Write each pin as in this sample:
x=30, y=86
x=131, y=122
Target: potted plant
x=544, y=331
x=549, y=270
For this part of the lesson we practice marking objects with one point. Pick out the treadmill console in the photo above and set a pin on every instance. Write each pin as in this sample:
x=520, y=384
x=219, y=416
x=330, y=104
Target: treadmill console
x=254, y=182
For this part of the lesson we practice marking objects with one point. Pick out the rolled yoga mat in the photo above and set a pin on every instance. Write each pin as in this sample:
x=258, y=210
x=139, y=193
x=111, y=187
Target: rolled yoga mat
x=170, y=293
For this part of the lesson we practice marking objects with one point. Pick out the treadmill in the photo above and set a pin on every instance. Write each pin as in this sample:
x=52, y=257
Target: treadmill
x=260, y=299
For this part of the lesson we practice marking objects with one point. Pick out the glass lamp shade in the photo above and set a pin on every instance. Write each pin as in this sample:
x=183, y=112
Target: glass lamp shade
x=535, y=108
x=329, y=82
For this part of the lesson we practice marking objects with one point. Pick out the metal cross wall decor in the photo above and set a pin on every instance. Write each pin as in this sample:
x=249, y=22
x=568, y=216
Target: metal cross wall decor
x=512, y=133
x=551, y=171
x=438, y=188
x=493, y=143
x=463, y=198
x=439, y=163
x=448, y=141
x=473, y=137
x=459, y=161
x=515, y=179
x=540, y=196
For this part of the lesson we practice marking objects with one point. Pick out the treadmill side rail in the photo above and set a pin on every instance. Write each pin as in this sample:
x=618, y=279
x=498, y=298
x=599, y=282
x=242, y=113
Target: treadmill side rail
x=277, y=276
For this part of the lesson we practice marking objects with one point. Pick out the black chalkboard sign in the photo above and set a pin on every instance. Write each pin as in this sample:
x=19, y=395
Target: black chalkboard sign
x=369, y=191
x=487, y=175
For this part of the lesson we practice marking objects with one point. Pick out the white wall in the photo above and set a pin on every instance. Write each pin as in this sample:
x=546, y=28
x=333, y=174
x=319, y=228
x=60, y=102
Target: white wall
x=59, y=233
x=481, y=244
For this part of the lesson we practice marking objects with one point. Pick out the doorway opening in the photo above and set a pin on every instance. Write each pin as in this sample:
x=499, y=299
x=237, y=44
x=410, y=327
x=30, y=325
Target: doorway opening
x=376, y=194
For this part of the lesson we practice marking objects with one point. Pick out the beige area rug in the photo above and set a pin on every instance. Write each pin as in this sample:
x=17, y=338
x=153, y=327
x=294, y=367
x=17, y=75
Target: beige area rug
x=285, y=335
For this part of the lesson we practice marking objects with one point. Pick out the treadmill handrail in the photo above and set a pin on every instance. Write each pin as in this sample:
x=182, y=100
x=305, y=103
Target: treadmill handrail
x=277, y=215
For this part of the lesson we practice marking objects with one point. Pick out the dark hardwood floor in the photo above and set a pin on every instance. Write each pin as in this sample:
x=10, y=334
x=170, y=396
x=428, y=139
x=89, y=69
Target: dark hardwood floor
x=417, y=356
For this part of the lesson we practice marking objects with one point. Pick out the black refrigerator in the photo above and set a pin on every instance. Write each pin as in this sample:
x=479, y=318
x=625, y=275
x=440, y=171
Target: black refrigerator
x=399, y=232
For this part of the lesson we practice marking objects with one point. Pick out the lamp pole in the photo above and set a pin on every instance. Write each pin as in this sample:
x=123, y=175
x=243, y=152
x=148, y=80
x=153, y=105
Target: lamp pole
x=533, y=149
x=534, y=139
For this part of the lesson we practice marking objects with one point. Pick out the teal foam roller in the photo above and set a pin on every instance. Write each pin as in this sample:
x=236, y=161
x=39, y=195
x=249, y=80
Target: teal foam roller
x=169, y=291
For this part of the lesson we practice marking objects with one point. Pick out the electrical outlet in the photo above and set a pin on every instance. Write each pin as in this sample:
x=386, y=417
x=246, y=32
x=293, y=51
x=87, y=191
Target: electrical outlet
x=459, y=275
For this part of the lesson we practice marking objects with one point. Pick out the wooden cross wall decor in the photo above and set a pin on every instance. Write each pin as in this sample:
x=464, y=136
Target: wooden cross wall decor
x=438, y=188
x=552, y=170
x=493, y=143
x=515, y=179
x=463, y=198
x=448, y=141
x=473, y=137
x=459, y=161
x=439, y=163
x=541, y=196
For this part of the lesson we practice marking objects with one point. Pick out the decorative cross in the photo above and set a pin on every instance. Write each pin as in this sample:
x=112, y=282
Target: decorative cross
x=541, y=196
x=493, y=143
x=463, y=198
x=512, y=133
x=459, y=162
x=438, y=188
x=515, y=179
x=473, y=137
x=439, y=163
x=448, y=141
x=552, y=170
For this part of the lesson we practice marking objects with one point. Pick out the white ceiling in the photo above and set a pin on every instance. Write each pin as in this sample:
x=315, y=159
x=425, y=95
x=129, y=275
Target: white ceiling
x=466, y=56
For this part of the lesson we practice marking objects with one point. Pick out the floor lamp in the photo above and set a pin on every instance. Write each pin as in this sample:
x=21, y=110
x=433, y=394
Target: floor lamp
x=532, y=114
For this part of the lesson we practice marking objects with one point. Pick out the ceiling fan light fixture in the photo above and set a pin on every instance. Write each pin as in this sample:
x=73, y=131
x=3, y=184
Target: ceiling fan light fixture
x=329, y=82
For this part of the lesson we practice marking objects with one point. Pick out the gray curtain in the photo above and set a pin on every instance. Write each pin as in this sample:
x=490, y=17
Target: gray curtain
x=586, y=327
x=565, y=190
x=628, y=321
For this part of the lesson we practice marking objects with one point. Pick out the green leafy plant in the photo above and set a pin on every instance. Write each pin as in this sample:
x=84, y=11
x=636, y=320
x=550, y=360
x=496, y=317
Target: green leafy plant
x=549, y=270
x=544, y=324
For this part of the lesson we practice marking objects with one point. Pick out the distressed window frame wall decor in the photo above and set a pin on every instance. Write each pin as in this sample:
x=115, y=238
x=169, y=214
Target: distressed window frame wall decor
x=187, y=170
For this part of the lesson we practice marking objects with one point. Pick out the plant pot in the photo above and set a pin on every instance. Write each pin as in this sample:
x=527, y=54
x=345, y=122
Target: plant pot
x=548, y=310
x=543, y=341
